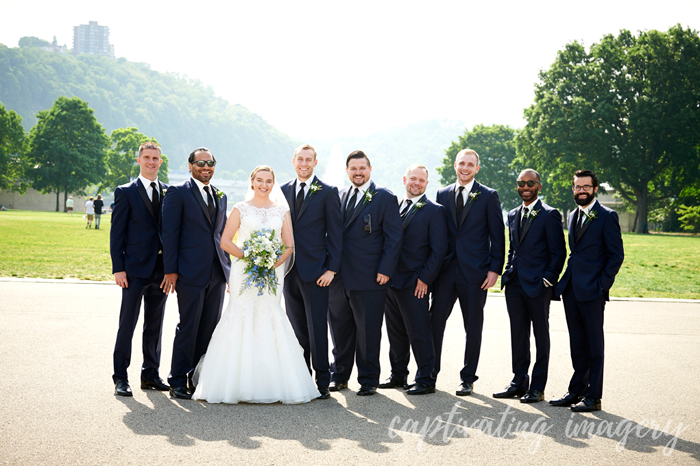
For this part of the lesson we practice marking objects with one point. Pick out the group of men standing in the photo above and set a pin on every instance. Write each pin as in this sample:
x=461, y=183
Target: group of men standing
x=363, y=256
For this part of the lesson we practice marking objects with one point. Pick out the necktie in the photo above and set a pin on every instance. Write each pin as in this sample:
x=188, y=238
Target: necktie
x=155, y=199
x=210, y=202
x=406, y=209
x=524, y=218
x=300, y=196
x=351, y=206
x=460, y=201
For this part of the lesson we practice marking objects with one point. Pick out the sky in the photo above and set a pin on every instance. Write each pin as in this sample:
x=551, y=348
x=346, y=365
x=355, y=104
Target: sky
x=326, y=69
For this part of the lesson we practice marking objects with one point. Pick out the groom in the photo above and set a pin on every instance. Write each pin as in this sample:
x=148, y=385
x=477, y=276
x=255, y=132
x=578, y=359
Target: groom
x=194, y=216
x=314, y=207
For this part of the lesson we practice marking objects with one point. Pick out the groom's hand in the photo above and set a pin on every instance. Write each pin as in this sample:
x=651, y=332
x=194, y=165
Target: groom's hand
x=168, y=285
x=120, y=278
x=326, y=278
x=382, y=279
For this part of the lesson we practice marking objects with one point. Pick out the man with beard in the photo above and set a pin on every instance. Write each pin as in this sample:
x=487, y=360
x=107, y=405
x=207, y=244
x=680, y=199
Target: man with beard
x=407, y=317
x=535, y=260
x=596, y=255
x=371, y=247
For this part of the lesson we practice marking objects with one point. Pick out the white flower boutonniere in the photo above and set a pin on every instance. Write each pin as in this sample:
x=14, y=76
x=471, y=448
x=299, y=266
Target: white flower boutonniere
x=419, y=204
x=592, y=215
x=368, y=196
x=532, y=214
x=219, y=194
x=473, y=196
x=314, y=188
x=162, y=192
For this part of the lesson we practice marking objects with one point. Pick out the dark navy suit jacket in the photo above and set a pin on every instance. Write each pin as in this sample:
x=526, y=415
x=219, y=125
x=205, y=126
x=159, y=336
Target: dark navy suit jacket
x=596, y=255
x=318, y=230
x=479, y=242
x=366, y=254
x=190, y=239
x=134, y=239
x=536, y=252
x=424, y=245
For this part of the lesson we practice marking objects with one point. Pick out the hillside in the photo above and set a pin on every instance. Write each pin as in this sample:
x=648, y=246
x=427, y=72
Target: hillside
x=180, y=113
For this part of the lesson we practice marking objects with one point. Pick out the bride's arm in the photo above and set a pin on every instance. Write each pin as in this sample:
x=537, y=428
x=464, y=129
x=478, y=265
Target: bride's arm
x=227, y=244
x=287, y=239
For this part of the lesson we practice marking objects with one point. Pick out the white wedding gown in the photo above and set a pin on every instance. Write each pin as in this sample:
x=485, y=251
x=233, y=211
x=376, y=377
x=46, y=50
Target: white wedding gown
x=253, y=355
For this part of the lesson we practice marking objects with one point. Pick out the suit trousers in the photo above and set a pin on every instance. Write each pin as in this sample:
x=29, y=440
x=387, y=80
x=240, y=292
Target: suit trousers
x=148, y=290
x=200, y=309
x=451, y=285
x=587, y=343
x=355, y=319
x=307, y=309
x=523, y=312
x=408, y=326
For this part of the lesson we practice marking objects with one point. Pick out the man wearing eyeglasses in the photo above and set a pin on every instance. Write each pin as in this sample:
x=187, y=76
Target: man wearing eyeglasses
x=596, y=256
x=371, y=245
x=535, y=259
x=194, y=216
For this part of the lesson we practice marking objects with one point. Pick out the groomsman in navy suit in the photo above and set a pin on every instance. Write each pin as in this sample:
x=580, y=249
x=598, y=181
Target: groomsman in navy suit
x=194, y=216
x=535, y=260
x=407, y=304
x=318, y=238
x=596, y=256
x=474, y=260
x=371, y=246
x=137, y=264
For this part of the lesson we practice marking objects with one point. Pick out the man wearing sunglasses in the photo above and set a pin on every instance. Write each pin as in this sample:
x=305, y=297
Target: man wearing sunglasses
x=535, y=260
x=371, y=247
x=194, y=216
x=596, y=256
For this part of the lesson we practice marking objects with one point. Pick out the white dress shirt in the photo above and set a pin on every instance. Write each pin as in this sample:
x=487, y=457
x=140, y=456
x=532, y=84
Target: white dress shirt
x=147, y=184
x=201, y=186
x=361, y=192
x=465, y=192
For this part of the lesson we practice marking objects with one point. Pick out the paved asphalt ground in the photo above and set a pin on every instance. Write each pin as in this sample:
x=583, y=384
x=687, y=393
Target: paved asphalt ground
x=58, y=407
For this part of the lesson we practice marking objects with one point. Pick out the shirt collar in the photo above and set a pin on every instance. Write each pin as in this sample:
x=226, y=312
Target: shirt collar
x=362, y=188
x=587, y=210
x=308, y=182
x=467, y=187
x=146, y=182
x=201, y=185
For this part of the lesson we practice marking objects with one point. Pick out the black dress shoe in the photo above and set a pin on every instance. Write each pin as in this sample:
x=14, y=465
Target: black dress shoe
x=190, y=384
x=181, y=393
x=511, y=391
x=366, y=390
x=409, y=386
x=121, y=388
x=337, y=386
x=393, y=383
x=420, y=389
x=566, y=400
x=325, y=394
x=155, y=384
x=465, y=389
x=532, y=396
x=587, y=405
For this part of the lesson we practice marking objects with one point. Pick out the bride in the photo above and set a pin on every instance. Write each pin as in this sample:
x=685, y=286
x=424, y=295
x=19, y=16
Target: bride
x=253, y=355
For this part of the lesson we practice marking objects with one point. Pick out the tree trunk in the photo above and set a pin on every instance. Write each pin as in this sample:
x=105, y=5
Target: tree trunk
x=58, y=199
x=65, y=199
x=636, y=217
x=642, y=210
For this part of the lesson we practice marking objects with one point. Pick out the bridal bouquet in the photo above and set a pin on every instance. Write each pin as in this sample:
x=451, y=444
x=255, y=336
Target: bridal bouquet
x=260, y=252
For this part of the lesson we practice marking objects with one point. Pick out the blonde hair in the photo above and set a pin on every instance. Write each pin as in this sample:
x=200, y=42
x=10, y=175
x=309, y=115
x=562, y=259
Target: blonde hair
x=468, y=152
x=417, y=165
x=262, y=168
x=305, y=147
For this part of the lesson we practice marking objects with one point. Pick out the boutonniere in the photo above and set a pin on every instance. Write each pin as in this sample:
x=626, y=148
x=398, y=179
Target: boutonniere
x=532, y=214
x=219, y=194
x=472, y=196
x=592, y=215
x=419, y=204
x=314, y=188
x=162, y=192
x=368, y=196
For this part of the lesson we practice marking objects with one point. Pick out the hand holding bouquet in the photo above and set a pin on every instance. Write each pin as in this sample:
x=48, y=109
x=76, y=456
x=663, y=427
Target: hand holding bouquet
x=260, y=252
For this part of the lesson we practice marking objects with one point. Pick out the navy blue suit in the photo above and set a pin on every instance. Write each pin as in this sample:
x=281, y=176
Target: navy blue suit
x=537, y=252
x=476, y=246
x=596, y=257
x=135, y=246
x=318, y=240
x=407, y=317
x=192, y=249
x=356, y=301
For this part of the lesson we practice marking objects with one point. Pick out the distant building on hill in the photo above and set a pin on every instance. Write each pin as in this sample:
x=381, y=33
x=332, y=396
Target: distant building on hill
x=93, y=39
x=54, y=47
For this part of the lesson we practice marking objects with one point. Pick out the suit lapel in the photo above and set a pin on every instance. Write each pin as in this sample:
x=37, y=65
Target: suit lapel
x=468, y=205
x=362, y=204
x=407, y=219
x=514, y=225
x=587, y=223
x=198, y=196
x=307, y=199
x=526, y=225
x=144, y=196
x=289, y=191
x=451, y=203
x=573, y=218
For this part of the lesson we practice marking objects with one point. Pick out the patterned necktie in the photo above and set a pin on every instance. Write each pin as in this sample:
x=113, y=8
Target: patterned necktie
x=210, y=202
x=460, y=201
x=155, y=200
x=351, y=205
x=300, y=196
x=406, y=209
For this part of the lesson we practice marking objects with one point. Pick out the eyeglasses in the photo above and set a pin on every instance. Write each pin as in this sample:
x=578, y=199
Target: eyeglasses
x=368, y=223
x=585, y=187
x=529, y=183
x=201, y=163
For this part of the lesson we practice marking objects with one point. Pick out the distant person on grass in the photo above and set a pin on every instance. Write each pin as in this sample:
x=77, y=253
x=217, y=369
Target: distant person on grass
x=69, y=205
x=90, y=211
x=98, y=210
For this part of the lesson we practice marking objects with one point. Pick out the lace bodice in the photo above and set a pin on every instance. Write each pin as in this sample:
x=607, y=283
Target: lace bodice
x=254, y=218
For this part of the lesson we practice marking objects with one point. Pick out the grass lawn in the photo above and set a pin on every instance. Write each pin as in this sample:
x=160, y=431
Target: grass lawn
x=57, y=245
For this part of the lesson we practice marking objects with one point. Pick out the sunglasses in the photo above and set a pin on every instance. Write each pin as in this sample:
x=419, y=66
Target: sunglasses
x=368, y=223
x=528, y=183
x=201, y=163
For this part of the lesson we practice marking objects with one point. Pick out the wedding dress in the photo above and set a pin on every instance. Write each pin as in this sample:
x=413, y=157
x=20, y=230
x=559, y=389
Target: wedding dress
x=253, y=355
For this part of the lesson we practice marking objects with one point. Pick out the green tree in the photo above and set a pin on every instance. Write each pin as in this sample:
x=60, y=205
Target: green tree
x=496, y=148
x=31, y=41
x=67, y=148
x=121, y=158
x=12, y=158
x=628, y=109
